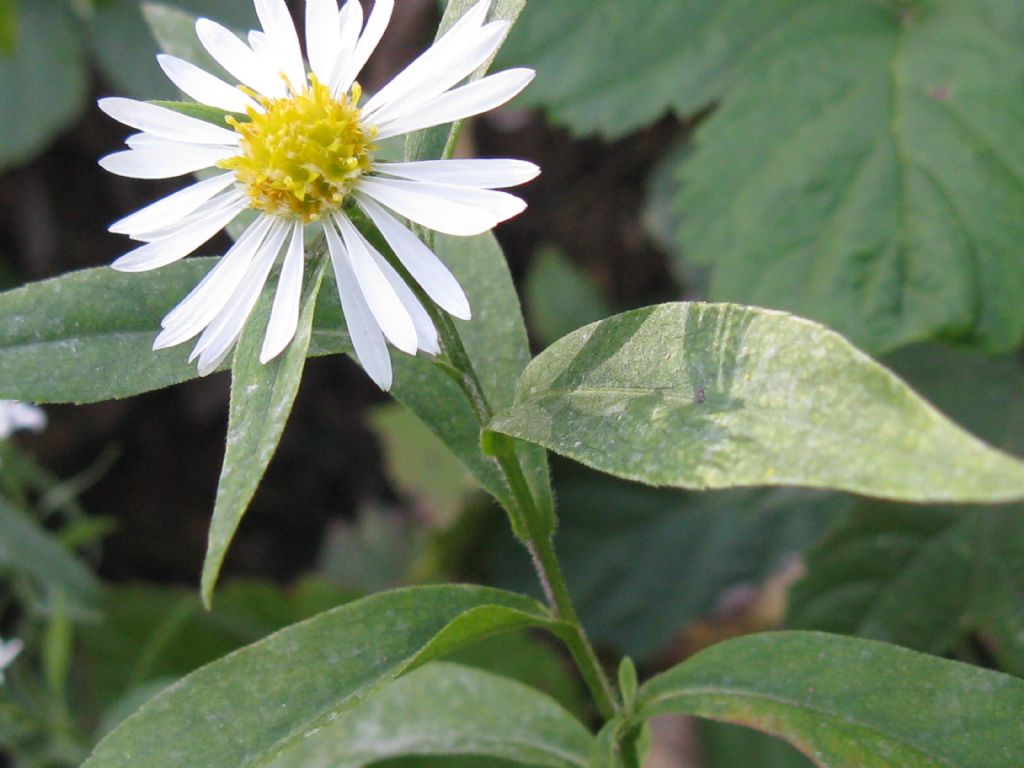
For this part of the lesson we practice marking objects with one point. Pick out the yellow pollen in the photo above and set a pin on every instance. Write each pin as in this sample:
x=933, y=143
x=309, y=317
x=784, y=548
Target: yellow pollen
x=304, y=153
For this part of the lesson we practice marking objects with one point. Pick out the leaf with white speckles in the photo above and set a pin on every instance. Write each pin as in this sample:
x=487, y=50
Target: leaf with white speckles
x=250, y=707
x=447, y=709
x=262, y=396
x=850, y=703
x=719, y=395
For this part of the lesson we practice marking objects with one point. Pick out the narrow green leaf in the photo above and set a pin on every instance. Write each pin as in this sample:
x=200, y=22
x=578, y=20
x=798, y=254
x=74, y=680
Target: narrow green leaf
x=495, y=340
x=448, y=709
x=88, y=336
x=43, y=81
x=717, y=395
x=202, y=112
x=850, y=703
x=250, y=707
x=27, y=549
x=440, y=140
x=262, y=396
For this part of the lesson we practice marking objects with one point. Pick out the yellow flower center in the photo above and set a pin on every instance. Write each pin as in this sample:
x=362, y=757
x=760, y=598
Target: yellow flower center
x=303, y=154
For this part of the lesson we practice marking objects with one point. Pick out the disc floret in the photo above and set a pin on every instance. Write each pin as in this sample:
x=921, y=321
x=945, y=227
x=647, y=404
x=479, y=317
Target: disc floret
x=302, y=155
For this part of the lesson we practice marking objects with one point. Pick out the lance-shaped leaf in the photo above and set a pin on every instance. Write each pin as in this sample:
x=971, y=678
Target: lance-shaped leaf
x=88, y=336
x=248, y=708
x=448, y=709
x=717, y=395
x=262, y=396
x=850, y=703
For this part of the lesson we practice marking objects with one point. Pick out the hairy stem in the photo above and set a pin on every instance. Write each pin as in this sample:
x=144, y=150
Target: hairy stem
x=526, y=520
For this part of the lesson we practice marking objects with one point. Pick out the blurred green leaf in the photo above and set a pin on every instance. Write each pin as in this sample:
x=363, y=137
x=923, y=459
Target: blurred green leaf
x=262, y=395
x=930, y=579
x=643, y=563
x=447, y=709
x=560, y=297
x=714, y=396
x=609, y=67
x=151, y=634
x=850, y=703
x=247, y=708
x=87, y=336
x=43, y=82
x=421, y=465
x=729, y=746
x=8, y=27
x=28, y=550
x=126, y=36
x=866, y=171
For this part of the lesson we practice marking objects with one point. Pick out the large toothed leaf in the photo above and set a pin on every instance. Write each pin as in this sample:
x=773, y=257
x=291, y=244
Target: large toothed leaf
x=447, y=709
x=716, y=395
x=88, y=336
x=608, y=67
x=262, y=395
x=866, y=172
x=850, y=703
x=42, y=79
x=248, y=708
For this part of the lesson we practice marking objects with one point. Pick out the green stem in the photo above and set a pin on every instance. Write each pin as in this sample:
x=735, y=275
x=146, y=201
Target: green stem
x=527, y=520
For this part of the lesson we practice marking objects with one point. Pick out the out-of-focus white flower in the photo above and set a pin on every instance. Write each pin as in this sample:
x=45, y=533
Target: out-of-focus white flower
x=9, y=650
x=303, y=159
x=15, y=415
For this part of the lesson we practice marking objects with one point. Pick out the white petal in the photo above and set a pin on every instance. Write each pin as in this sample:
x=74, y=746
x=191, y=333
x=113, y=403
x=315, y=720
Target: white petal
x=384, y=303
x=174, y=247
x=431, y=83
x=222, y=202
x=220, y=335
x=163, y=163
x=435, y=61
x=238, y=59
x=166, y=123
x=368, y=42
x=323, y=37
x=350, y=23
x=207, y=299
x=426, y=333
x=366, y=336
x=423, y=264
x=16, y=415
x=173, y=208
x=284, y=41
x=204, y=87
x=444, y=208
x=480, y=173
x=465, y=101
x=284, y=317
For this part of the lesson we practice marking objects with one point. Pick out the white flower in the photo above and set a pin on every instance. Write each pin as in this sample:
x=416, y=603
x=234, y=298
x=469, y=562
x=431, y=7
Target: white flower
x=15, y=416
x=304, y=160
x=9, y=650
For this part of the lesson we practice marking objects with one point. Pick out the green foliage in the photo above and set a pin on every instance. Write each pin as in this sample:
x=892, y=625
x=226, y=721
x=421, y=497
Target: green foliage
x=643, y=563
x=560, y=297
x=712, y=396
x=8, y=27
x=863, y=166
x=27, y=550
x=241, y=710
x=262, y=396
x=446, y=709
x=850, y=703
x=43, y=84
x=729, y=746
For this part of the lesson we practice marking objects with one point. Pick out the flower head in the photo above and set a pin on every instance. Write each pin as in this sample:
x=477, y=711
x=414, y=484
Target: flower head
x=15, y=416
x=298, y=150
